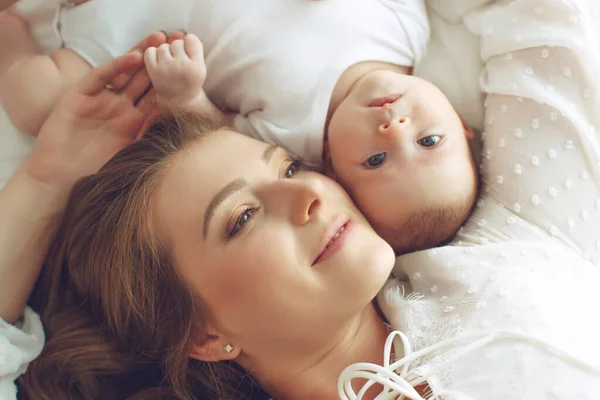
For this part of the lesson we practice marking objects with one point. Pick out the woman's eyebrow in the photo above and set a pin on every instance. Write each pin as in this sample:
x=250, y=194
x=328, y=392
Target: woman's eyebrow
x=231, y=188
x=224, y=193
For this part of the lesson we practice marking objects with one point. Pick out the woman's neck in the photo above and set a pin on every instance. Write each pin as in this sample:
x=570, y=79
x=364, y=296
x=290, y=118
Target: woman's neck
x=315, y=376
x=352, y=75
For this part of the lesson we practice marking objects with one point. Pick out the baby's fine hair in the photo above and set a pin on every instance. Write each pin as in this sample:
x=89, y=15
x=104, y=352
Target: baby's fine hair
x=429, y=228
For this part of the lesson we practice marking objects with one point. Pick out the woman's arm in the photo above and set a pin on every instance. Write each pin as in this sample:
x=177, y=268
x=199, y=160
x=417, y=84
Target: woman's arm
x=88, y=126
x=29, y=214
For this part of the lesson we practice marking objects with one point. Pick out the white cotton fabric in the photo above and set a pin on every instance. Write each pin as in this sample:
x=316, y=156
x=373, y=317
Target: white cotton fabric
x=452, y=63
x=42, y=17
x=18, y=347
x=520, y=281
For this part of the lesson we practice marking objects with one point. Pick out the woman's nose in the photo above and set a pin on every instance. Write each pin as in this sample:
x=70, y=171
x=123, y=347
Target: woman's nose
x=394, y=126
x=306, y=197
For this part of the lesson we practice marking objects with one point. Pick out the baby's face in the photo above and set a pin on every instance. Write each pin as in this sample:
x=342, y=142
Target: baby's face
x=400, y=149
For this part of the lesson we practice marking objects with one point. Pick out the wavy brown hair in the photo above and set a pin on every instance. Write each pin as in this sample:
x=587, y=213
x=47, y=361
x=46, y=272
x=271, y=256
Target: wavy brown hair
x=119, y=322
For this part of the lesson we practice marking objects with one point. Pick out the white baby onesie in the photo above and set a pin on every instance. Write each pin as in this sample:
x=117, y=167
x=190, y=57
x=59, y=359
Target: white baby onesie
x=519, y=284
x=101, y=30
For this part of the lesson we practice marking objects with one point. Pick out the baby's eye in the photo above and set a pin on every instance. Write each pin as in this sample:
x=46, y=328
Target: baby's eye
x=429, y=141
x=293, y=168
x=375, y=161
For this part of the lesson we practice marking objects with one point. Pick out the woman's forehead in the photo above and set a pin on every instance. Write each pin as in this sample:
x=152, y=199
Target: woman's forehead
x=212, y=161
x=223, y=142
x=199, y=173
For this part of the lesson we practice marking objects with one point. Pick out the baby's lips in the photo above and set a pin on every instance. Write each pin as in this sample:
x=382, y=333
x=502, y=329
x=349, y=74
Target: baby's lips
x=381, y=101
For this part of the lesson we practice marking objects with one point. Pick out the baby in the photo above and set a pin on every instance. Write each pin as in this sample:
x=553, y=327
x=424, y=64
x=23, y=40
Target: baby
x=327, y=80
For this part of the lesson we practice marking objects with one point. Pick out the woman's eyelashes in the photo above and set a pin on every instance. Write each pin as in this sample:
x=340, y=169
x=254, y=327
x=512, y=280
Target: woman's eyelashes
x=242, y=219
x=249, y=212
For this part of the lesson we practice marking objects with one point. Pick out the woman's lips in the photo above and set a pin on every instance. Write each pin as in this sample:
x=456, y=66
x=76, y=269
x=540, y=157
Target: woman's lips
x=336, y=243
x=341, y=220
x=381, y=101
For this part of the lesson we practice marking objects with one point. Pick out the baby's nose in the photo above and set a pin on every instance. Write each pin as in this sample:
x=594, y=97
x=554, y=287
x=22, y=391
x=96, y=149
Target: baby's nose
x=395, y=125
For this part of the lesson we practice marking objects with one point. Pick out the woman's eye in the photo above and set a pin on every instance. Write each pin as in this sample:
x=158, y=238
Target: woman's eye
x=429, y=141
x=244, y=217
x=375, y=161
x=293, y=168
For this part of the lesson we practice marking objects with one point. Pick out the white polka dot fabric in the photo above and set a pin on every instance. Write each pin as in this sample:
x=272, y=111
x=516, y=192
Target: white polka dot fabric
x=528, y=259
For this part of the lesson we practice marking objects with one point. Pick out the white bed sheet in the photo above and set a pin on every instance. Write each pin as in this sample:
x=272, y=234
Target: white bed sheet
x=452, y=63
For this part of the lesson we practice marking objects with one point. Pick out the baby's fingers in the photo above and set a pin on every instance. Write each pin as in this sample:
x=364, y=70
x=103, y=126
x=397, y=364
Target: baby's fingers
x=194, y=48
x=178, y=49
x=164, y=53
x=151, y=57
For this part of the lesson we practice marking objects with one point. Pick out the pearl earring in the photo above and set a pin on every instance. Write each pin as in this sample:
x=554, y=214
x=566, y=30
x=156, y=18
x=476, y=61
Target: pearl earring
x=228, y=348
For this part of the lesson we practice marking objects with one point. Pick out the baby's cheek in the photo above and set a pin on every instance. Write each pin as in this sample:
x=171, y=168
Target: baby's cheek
x=365, y=200
x=376, y=204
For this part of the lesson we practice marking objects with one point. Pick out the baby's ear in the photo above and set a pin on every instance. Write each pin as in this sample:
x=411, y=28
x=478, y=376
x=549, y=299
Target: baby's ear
x=469, y=133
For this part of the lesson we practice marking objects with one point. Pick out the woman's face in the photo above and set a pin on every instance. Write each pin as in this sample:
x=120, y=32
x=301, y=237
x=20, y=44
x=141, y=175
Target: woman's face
x=257, y=240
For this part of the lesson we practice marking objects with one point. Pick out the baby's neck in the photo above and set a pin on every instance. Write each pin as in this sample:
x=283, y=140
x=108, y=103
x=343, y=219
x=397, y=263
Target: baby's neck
x=315, y=377
x=352, y=75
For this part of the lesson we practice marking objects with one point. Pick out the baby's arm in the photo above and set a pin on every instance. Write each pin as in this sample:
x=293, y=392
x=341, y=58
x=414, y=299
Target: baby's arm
x=177, y=72
x=31, y=82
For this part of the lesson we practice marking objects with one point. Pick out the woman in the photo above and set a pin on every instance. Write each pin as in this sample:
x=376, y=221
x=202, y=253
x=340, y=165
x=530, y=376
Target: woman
x=160, y=275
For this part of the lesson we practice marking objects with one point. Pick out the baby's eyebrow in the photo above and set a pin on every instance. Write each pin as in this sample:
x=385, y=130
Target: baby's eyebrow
x=268, y=153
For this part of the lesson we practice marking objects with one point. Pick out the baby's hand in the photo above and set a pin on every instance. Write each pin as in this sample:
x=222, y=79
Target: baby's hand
x=177, y=70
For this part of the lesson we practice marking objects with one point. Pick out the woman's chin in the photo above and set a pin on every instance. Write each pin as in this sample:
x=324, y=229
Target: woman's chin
x=376, y=269
x=382, y=264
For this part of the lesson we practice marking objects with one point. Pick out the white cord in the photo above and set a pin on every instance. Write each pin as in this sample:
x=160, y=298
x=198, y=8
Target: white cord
x=393, y=377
